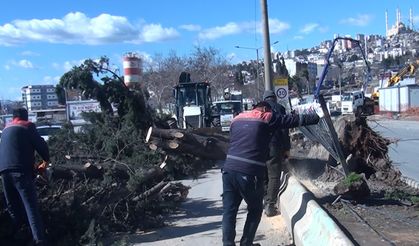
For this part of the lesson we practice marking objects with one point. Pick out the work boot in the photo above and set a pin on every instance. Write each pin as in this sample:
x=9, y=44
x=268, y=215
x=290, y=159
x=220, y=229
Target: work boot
x=271, y=210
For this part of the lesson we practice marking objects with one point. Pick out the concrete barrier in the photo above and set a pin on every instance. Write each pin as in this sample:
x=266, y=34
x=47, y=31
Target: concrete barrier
x=307, y=222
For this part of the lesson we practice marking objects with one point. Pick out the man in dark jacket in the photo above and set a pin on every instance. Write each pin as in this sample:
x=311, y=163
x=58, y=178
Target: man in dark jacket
x=278, y=148
x=245, y=166
x=19, y=141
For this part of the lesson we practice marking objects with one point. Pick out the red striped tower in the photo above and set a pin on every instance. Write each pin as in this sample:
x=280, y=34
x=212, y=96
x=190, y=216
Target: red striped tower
x=132, y=70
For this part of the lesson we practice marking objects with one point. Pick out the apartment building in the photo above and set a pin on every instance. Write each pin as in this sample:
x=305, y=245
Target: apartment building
x=36, y=97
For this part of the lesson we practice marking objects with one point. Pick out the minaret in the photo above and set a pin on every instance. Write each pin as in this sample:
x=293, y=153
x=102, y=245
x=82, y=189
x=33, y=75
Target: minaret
x=386, y=23
x=366, y=46
x=398, y=20
x=411, y=18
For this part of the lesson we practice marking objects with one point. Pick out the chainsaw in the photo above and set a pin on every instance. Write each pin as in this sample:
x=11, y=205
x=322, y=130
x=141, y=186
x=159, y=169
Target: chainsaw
x=43, y=171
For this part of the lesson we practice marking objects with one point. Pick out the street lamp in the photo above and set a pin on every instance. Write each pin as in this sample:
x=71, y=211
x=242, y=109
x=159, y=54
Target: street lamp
x=257, y=60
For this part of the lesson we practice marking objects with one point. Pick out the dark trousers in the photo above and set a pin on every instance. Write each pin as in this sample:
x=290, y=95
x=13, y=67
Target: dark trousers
x=274, y=167
x=236, y=187
x=20, y=194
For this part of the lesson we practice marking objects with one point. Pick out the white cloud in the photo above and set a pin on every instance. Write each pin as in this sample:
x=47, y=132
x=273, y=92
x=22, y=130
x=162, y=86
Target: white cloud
x=220, y=31
x=29, y=53
x=360, y=20
x=276, y=26
x=51, y=80
x=77, y=28
x=21, y=63
x=154, y=33
x=68, y=65
x=232, y=28
x=24, y=63
x=416, y=20
x=298, y=37
x=191, y=27
x=311, y=27
x=308, y=28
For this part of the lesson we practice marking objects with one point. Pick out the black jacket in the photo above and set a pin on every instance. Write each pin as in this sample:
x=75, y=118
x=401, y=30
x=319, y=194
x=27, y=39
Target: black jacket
x=280, y=138
x=19, y=141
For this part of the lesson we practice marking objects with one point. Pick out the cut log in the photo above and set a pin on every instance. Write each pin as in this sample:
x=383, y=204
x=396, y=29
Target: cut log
x=164, y=133
x=70, y=171
x=203, y=150
x=182, y=141
x=153, y=190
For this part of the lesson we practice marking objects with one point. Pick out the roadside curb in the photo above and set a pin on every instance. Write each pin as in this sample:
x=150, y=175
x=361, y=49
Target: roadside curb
x=410, y=182
x=306, y=221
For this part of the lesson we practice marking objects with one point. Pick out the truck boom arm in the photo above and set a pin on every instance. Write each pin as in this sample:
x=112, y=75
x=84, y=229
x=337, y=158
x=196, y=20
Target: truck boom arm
x=408, y=69
x=326, y=67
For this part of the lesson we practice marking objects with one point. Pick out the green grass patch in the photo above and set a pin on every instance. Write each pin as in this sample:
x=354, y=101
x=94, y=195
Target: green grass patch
x=401, y=195
x=352, y=178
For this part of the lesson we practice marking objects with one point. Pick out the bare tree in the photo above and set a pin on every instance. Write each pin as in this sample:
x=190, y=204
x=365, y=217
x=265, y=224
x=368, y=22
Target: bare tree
x=162, y=74
x=207, y=64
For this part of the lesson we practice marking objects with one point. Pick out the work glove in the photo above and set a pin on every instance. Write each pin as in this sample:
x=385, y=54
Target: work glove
x=309, y=119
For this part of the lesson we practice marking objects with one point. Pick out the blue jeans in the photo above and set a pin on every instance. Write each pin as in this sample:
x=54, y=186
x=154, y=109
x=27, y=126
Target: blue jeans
x=20, y=194
x=237, y=187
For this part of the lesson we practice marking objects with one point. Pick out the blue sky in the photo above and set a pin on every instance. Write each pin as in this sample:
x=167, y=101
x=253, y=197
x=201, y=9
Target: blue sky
x=41, y=40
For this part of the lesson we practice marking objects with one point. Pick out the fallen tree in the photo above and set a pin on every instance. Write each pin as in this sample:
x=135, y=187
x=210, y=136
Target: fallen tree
x=105, y=179
x=205, y=142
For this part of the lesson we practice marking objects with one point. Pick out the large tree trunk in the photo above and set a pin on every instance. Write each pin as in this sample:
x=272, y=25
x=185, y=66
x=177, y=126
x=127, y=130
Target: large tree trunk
x=210, y=145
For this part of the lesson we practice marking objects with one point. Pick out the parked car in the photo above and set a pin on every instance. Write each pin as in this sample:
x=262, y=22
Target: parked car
x=47, y=130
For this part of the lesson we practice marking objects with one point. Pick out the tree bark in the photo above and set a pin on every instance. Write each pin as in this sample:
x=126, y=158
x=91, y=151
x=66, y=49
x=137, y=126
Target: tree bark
x=182, y=141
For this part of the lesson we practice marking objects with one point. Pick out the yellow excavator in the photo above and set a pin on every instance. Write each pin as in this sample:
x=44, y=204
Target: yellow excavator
x=409, y=69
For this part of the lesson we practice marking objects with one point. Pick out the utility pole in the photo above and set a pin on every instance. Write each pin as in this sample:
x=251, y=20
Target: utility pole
x=266, y=45
x=257, y=67
x=257, y=79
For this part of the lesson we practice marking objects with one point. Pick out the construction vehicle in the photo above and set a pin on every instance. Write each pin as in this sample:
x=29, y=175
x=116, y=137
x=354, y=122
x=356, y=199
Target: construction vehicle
x=225, y=110
x=192, y=103
x=354, y=101
x=408, y=70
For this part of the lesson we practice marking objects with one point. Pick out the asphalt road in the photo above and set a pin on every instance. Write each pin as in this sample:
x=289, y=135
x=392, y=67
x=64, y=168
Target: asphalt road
x=199, y=221
x=404, y=153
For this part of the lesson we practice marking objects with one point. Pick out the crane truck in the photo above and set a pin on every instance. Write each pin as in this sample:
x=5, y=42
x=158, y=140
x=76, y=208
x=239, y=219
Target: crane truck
x=353, y=101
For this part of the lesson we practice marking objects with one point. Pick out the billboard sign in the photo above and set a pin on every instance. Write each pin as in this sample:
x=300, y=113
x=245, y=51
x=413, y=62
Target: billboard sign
x=76, y=108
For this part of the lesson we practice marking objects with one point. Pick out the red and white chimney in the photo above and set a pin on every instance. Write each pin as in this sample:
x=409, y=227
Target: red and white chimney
x=132, y=64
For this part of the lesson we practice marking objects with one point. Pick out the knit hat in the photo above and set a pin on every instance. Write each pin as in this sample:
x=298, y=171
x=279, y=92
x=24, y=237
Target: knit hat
x=267, y=94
